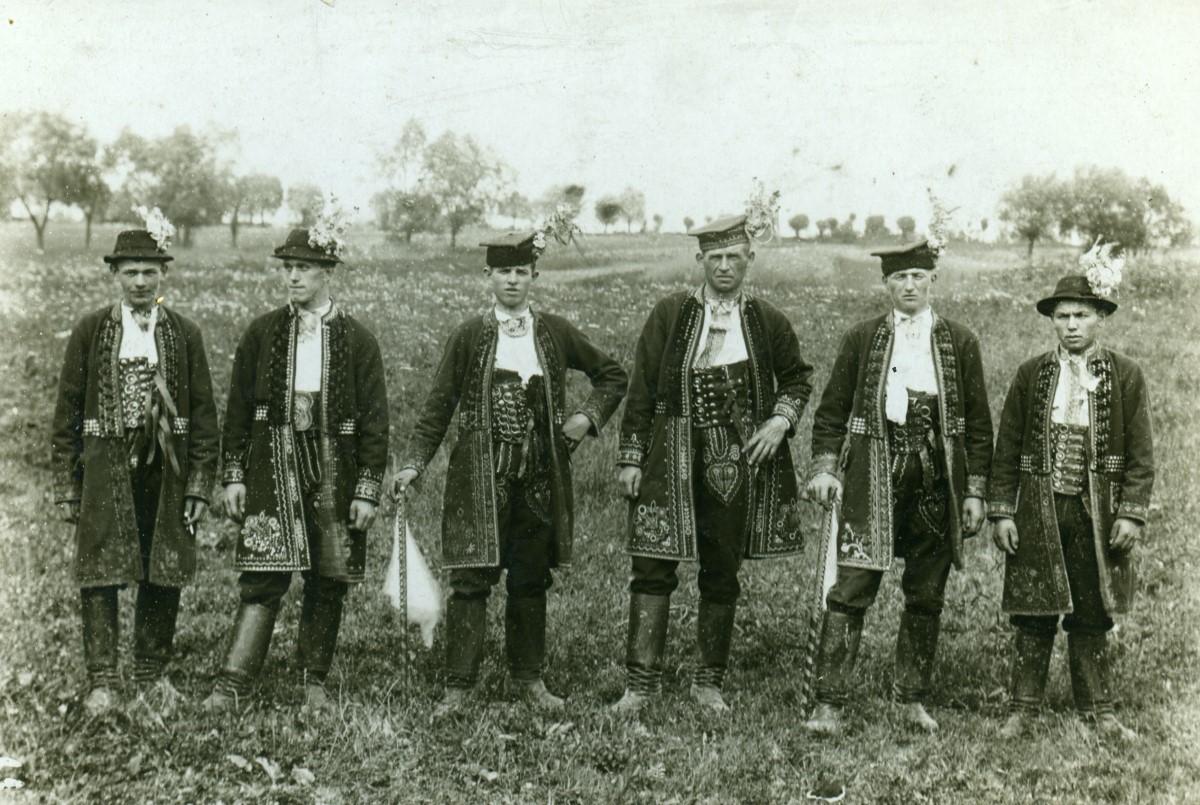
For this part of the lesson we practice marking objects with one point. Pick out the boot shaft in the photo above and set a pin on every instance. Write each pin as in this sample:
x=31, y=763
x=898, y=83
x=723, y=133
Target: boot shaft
x=154, y=619
x=1030, y=667
x=646, y=641
x=714, y=638
x=525, y=637
x=249, y=641
x=1089, y=664
x=916, y=649
x=466, y=624
x=837, y=654
x=98, y=613
x=316, y=640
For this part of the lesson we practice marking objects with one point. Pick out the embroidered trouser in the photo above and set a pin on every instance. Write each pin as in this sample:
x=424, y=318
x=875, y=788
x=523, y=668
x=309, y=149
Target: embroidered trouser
x=721, y=523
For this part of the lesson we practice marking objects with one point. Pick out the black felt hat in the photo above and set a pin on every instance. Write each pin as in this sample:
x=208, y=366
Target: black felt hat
x=1074, y=288
x=137, y=244
x=298, y=247
x=513, y=249
x=910, y=255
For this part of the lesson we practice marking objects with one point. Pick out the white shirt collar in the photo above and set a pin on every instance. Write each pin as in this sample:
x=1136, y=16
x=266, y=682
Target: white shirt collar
x=921, y=317
x=504, y=315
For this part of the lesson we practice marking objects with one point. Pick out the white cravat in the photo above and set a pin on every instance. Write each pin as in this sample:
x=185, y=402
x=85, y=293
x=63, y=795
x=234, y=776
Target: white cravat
x=517, y=353
x=1075, y=382
x=721, y=315
x=137, y=335
x=912, y=362
x=310, y=342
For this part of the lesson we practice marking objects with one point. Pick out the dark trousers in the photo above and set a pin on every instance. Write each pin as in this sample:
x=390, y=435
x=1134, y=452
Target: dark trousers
x=526, y=548
x=720, y=543
x=1088, y=615
x=921, y=539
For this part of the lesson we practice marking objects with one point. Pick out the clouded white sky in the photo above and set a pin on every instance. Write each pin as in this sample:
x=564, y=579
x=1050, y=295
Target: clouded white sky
x=854, y=106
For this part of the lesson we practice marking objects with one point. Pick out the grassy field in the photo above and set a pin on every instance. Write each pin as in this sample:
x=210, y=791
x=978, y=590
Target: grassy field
x=384, y=746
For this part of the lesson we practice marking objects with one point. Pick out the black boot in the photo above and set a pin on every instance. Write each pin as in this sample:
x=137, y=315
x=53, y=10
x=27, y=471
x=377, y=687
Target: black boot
x=916, y=647
x=100, y=632
x=1030, y=666
x=525, y=646
x=644, y=648
x=316, y=642
x=154, y=620
x=248, y=644
x=466, y=624
x=714, y=634
x=841, y=634
x=1088, y=655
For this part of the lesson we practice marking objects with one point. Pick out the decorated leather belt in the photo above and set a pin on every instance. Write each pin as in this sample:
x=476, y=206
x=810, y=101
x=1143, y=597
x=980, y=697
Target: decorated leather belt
x=921, y=426
x=721, y=397
x=306, y=409
x=1069, y=453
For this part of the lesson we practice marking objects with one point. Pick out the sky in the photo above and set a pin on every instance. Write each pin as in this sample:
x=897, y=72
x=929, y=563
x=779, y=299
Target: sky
x=857, y=106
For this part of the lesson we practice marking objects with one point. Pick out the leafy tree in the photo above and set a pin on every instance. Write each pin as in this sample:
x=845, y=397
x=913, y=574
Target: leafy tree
x=515, y=206
x=306, y=199
x=407, y=213
x=256, y=194
x=463, y=179
x=826, y=227
x=1134, y=212
x=571, y=194
x=404, y=162
x=93, y=195
x=907, y=227
x=608, y=210
x=45, y=159
x=875, y=228
x=688, y=223
x=1033, y=207
x=845, y=232
x=633, y=207
x=798, y=223
x=658, y=222
x=184, y=173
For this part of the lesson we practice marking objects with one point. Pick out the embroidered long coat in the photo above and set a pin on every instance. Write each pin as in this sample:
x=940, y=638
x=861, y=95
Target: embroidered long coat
x=91, y=457
x=1120, y=462
x=259, y=443
x=850, y=434
x=656, y=430
x=470, y=533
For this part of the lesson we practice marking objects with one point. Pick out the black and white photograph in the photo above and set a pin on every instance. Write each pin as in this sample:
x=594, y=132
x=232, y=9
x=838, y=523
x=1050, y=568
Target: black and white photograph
x=581, y=401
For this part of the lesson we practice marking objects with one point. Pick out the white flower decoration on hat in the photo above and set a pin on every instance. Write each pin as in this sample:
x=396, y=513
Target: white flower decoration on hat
x=559, y=225
x=326, y=232
x=161, y=229
x=938, y=237
x=1103, y=271
x=762, y=211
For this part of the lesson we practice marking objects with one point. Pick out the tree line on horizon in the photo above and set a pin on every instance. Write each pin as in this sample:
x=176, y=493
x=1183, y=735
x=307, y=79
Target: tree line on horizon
x=452, y=181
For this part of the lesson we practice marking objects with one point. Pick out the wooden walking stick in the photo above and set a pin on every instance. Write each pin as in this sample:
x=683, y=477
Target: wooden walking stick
x=400, y=549
x=824, y=574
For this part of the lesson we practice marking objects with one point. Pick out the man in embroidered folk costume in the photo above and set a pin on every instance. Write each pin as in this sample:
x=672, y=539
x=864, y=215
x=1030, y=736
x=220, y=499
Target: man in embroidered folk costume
x=1069, y=495
x=508, y=499
x=904, y=426
x=717, y=388
x=304, y=451
x=135, y=453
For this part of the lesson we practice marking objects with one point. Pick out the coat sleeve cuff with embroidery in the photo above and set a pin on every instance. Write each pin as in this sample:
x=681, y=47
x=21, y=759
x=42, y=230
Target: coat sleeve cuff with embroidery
x=790, y=409
x=632, y=450
x=976, y=486
x=233, y=468
x=199, y=485
x=1134, y=511
x=1001, y=508
x=826, y=464
x=369, y=486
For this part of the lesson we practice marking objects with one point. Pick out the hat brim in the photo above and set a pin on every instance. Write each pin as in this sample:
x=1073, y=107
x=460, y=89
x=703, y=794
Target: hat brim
x=308, y=255
x=1046, y=306
x=148, y=258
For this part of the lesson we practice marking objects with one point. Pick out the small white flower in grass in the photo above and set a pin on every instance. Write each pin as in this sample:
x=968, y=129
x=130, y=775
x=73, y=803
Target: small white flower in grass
x=157, y=225
x=240, y=762
x=656, y=771
x=10, y=763
x=1103, y=271
x=303, y=776
x=11, y=783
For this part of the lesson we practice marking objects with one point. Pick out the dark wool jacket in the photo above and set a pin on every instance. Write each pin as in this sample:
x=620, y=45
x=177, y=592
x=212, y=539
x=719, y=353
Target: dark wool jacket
x=656, y=432
x=259, y=443
x=1120, y=451
x=91, y=457
x=853, y=402
x=470, y=535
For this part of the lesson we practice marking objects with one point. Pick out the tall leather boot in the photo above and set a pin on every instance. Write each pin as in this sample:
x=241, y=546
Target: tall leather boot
x=316, y=642
x=525, y=647
x=466, y=624
x=841, y=634
x=916, y=646
x=154, y=619
x=1088, y=656
x=1030, y=666
x=644, y=648
x=249, y=641
x=714, y=634
x=98, y=612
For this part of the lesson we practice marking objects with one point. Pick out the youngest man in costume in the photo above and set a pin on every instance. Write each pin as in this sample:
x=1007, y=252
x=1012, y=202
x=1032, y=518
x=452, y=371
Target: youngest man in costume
x=904, y=421
x=304, y=452
x=508, y=500
x=1069, y=495
x=135, y=453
